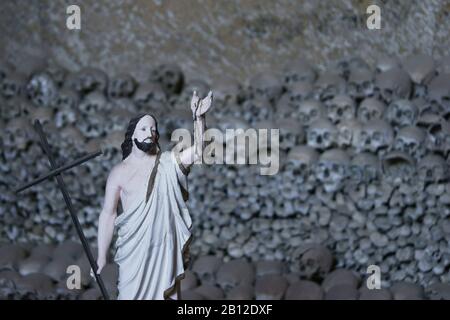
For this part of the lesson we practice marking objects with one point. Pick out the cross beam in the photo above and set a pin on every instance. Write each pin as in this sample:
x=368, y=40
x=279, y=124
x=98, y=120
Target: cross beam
x=57, y=173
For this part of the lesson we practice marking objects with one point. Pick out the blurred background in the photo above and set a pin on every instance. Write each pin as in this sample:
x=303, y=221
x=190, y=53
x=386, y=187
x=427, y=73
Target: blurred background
x=364, y=141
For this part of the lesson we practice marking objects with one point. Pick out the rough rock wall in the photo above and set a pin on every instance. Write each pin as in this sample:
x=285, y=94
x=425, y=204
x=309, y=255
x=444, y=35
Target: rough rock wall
x=211, y=39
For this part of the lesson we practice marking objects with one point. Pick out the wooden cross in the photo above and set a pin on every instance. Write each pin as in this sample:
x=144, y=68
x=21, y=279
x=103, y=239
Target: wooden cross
x=57, y=173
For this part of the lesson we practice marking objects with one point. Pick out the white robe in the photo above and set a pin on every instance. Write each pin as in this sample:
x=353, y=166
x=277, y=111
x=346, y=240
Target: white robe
x=154, y=235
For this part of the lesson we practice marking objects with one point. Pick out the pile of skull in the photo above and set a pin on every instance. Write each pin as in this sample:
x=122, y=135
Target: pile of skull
x=48, y=272
x=363, y=160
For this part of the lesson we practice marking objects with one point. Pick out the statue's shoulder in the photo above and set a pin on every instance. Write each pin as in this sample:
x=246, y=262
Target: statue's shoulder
x=117, y=172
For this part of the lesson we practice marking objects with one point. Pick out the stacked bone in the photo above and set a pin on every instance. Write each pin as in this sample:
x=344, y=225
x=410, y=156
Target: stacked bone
x=47, y=272
x=363, y=160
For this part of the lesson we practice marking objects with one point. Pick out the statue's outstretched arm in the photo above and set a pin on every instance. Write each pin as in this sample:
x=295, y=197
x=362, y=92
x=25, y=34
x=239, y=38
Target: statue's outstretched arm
x=193, y=154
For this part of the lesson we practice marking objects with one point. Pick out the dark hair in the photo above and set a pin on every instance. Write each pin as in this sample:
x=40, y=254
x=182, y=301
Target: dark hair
x=127, y=144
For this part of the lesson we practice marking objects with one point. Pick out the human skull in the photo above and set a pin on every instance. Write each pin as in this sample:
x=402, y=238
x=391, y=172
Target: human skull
x=42, y=89
x=346, y=66
x=427, y=119
x=300, y=91
x=402, y=113
x=299, y=71
x=283, y=109
x=332, y=169
x=398, y=165
x=257, y=109
x=328, y=85
x=360, y=84
x=370, y=108
x=439, y=137
x=393, y=84
x=148, y=94
x=341, y=107
x=205, y=268
x=66, y=115
x=301, y=160
x=13, y=85
x=93, y=103
x=266, y=85
x=17, y=107
x=439, y=92
x=66, y=99
x=291, y=133
x=348, y=131
x=93, y=128
x=17, y=134
x=234, y=273
x=170, y=76
x=88, y=79
x=316, y=262
x=432, y=168
x=428, y=114
x=410, y=140
x=386, y=63
x=321, y=134
x=365, y=167
x=310, y=111
x=121, y=86
x=375, y=136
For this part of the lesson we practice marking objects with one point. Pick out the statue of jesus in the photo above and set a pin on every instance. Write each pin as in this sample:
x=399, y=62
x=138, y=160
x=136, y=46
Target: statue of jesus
x=154, y=227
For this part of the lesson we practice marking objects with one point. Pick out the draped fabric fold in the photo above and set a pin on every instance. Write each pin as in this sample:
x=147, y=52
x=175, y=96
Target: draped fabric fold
x=154, y=235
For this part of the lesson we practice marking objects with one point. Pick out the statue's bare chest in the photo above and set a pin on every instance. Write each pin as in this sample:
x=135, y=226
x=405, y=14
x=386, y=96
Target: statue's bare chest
x=135, y=181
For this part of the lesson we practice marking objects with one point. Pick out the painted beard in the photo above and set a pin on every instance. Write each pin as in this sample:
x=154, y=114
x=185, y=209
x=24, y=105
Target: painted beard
x=147, y=147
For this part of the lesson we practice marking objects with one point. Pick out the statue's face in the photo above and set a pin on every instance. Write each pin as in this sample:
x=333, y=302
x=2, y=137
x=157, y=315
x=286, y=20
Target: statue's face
x=144, y=136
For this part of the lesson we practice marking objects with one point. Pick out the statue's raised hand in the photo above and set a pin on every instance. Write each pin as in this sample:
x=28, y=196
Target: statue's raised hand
x=200, y=107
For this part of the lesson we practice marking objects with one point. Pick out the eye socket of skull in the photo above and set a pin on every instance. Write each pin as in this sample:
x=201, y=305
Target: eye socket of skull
x=407, y=114
x=377, y=136
x=367, y=85
x=375, y=114
x=364, y=114
x=312, y=135
x=388, y=93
